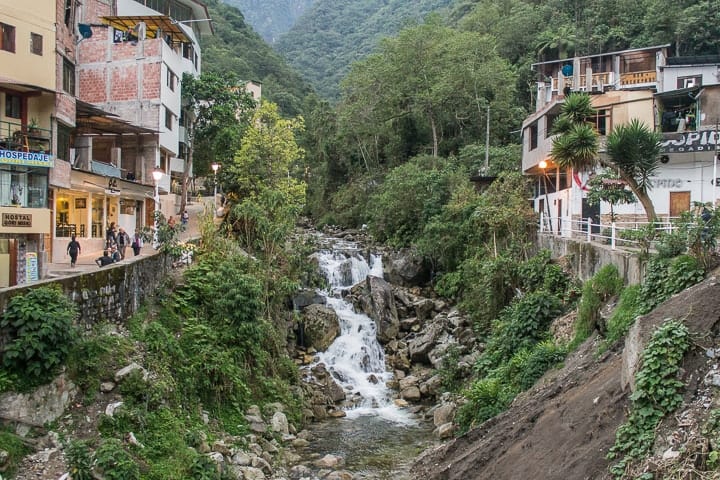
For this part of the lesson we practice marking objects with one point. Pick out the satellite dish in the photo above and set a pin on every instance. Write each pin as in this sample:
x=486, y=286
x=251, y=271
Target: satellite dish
x=85, y=30
x=567, y=70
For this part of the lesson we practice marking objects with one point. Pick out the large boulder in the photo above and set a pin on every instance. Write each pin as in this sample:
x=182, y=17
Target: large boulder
x=377, y=300
x=321, y=326
x=406, y=267
x=307, y=297
x=421, y=346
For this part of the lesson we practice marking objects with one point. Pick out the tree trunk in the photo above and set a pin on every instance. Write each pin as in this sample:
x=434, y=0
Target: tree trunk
x=435, y=136
x=641, y=195
x=185, y=177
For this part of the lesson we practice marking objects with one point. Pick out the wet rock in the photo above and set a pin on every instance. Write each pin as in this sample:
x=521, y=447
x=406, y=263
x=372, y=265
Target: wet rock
x=300, y=443
x=378, y=302
x=321, y=326
x=329, y=461
x=300, y=471
x=307, y=297
x=411, y=394
x=340, y=475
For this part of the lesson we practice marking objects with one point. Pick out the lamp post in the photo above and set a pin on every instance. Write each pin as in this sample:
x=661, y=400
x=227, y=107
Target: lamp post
x=215, y=167
x=157, y=175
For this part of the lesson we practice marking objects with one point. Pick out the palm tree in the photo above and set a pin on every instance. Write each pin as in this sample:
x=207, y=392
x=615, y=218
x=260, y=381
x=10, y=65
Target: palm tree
x=634, y=150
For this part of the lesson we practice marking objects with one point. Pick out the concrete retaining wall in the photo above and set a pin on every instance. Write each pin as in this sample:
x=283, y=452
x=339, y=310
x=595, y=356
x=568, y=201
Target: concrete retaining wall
x=112, y=293
x=586, y=258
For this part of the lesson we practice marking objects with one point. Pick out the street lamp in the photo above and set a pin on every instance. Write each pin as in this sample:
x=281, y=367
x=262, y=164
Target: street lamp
x=157, y=175
x=215, y=167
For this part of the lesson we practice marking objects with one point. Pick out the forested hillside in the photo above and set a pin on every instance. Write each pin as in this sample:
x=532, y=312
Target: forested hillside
x=334, y=33
x=271, y=18
x=237, y=50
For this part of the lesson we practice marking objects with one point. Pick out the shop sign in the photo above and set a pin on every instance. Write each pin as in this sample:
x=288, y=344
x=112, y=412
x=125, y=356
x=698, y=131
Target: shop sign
x=31, y=267
x=30, y=159
x=689, y=142
x=17, y=220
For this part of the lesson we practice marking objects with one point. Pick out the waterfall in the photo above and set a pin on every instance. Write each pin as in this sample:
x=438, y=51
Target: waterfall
x=356, y=359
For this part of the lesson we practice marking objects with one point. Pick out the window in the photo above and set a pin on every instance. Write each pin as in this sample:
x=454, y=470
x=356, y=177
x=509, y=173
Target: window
x=63, y=143
x=533, y=136
x=161, y=6
x=602, y=121
x=171, y=80
x=689, y=82
x=550, y=124
x=36, y=44
x=168, y=119
x=7, y=37
x=24, y=187
x=188, y=51
x=13, y=106
x=69, y=17
x=68, y=76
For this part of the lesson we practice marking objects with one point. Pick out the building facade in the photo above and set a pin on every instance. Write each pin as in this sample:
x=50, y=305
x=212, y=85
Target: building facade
x=90, y=106
x=676, y=96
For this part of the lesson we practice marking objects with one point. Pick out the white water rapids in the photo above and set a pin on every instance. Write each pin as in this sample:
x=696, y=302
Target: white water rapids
x=356, y=359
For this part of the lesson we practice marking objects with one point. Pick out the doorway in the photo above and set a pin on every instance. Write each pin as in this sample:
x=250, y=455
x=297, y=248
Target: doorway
x=593, y=212
x=679, y=203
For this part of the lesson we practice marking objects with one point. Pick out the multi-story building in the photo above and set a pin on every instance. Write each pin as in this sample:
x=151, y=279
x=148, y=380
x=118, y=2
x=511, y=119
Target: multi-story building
x=90, y=103
x=130, y=58
x=677, y=96
x=27, y=103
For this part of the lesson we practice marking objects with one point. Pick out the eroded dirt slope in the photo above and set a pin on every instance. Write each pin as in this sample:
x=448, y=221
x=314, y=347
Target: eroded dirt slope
x=564, y=426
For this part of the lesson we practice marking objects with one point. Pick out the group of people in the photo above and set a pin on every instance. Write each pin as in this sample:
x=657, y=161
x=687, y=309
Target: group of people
x=116, y=242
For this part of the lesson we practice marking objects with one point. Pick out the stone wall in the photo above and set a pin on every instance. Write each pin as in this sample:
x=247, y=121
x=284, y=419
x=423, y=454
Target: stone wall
x=586, y=258
x=112, y=293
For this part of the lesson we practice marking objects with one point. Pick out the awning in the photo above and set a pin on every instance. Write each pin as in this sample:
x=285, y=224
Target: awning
x=680, y=93
x=156, y=26
x=93, y=120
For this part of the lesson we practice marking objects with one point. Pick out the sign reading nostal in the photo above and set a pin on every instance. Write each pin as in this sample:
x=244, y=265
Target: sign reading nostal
x=17, y=220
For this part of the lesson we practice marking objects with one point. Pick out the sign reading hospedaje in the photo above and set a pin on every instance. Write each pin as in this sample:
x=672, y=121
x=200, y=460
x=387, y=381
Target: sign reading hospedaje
x=30, y=159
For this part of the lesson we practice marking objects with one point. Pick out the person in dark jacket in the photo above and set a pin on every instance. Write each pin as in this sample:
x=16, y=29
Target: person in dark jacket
x=123, y=240
x=73, y=249
x=104, y=260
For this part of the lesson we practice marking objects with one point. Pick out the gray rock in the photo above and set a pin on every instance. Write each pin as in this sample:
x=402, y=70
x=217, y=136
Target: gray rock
x=420, y=346
x=321, y=326
x=121, y=374
x=444, y=431
x=307, y=297
x=444, y=414
x=406, y=268
x=45, y=404
x=241, y=458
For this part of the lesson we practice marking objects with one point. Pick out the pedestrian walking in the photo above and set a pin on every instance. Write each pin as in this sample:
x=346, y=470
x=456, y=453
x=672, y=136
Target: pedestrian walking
x=73, y=249
x=123, y=240
x=185, y=217
x=137, y=243
x=111, y=235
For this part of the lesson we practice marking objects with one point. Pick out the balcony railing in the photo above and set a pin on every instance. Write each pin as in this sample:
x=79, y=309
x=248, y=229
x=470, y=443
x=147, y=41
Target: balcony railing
x=600, y=81
x=19, y=137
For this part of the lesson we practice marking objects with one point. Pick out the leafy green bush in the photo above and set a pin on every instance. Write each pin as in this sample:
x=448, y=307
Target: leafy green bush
x=542, y=357
x=666, y=277
x=115, y=462
x=657, y=393
x=624, y=315
x=79, y=459
x=15, y=448
x=596, y=291
x=486, y=398
x=40, y=327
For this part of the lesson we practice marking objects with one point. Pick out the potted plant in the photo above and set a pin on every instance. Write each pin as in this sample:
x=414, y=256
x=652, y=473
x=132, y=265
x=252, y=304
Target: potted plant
x=34, y=126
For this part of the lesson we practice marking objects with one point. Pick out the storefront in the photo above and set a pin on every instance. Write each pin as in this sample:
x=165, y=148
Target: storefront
x=24, y=215
x=92, y=203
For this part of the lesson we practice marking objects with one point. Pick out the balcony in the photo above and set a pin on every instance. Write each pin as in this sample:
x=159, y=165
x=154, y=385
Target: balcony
x=23, y=138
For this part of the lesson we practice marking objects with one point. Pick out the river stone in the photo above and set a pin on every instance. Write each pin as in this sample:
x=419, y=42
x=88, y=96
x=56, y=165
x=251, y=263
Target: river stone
x=424, y=309
x=279, y=423
x=421, y=346
x=322, y=326
x=329, y=461
x=249, y=473
x=444, y=431
x=444, y=414
x=411, y=394
x=241, y=458
x=300, y=443
x=300, y=471
x=382, y=309
x=340, y=475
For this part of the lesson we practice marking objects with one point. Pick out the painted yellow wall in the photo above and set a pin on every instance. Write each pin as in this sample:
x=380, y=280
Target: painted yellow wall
x=34, y=16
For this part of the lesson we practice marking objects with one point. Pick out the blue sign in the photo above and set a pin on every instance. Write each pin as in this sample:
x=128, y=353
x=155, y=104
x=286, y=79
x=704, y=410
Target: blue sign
x=567, y=70
x=30, y=159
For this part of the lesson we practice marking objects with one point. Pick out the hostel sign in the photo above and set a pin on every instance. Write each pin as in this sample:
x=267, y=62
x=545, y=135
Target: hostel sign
x=30, y=159
x=17, y=220
x=690, y=142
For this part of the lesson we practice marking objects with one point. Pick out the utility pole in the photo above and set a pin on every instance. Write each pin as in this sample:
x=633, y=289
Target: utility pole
x=487, y=141
x=715, y=162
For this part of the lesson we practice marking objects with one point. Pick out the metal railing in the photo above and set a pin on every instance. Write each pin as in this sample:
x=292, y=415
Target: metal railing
x=25, y=138
x=616, y=234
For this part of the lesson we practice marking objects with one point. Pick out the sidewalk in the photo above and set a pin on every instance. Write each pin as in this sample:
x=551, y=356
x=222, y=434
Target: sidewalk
x=86, y=261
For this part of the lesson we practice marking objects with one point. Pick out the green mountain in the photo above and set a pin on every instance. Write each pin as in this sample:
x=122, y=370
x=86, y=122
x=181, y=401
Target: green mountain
x=271, y=18
x=334, y=33
x=237, y=49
